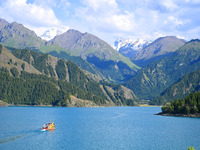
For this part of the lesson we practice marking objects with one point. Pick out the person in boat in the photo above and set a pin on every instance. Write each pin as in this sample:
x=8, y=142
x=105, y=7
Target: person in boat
x=49, y=126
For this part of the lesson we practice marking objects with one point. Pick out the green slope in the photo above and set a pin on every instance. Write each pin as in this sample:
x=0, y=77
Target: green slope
x=187, y=84
x=64, y=76
x=153, y=79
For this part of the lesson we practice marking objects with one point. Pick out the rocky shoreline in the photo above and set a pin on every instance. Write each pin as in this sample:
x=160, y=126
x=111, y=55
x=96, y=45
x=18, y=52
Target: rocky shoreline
x=179, y=115
x=3, y=104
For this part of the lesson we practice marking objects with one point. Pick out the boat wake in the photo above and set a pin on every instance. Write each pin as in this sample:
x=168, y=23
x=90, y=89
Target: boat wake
x=10, y=139
x=15, y=137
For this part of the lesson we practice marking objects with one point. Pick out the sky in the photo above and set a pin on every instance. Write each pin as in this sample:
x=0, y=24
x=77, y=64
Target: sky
x=108, y=19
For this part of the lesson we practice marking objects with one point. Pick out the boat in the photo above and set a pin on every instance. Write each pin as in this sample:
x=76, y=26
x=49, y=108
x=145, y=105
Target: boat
x=48, y=126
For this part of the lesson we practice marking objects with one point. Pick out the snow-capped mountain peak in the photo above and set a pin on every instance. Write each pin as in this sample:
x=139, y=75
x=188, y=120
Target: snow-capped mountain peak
x=134, y=44
x=50, y=33
x=130, y=47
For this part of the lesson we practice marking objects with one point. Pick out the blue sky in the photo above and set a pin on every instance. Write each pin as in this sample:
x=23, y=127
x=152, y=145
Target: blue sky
x=109, y=19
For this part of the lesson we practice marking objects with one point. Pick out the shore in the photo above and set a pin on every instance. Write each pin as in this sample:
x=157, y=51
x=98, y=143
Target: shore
x=179, y=115
x=3, y=104
x=146, y=105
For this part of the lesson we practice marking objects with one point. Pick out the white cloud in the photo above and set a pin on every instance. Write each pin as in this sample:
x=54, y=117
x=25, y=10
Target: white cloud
x=147, y=19
x=105, y=14
x=169, y=4
x=193, y=1
x=109, y=19
x=97, y=5
x=122, y=22
x=45, y=3
x=28, y=14
x=174, y=20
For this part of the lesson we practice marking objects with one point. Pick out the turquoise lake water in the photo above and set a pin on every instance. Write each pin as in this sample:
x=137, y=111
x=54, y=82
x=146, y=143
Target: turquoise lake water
x=113, y=128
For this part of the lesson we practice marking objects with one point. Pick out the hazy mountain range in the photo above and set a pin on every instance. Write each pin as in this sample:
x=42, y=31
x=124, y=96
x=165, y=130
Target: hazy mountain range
x=73, y=43
x=151, y=70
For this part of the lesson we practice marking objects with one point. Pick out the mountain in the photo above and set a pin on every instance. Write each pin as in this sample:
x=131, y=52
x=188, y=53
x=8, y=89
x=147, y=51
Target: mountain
x=87, y=45
x=52, y=32
x=75, y=44
x=187, y=84
x=111, y=64
x=91, y=70
x=29, y=69
x=130, y=47
x=18, y=36
x=113, y=71
x=3, y=23
x=161, y=47
x=153, y=79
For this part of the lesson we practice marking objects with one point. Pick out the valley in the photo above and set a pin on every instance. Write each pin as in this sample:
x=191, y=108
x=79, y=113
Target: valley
x=88, y=64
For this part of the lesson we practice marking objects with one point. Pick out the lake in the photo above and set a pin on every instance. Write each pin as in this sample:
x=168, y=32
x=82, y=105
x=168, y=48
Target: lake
x=112, y=128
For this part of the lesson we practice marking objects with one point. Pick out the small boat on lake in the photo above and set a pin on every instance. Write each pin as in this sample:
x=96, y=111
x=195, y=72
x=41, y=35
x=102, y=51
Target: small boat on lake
x=48, y=126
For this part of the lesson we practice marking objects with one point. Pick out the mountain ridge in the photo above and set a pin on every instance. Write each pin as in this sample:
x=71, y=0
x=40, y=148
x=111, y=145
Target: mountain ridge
x=72, y=42
x=18, y=36
x=153, y=79
x=83, y=44
x=161, y=47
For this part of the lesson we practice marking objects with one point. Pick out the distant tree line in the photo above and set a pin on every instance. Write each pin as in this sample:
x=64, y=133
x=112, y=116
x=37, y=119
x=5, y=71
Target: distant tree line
x=188, y=105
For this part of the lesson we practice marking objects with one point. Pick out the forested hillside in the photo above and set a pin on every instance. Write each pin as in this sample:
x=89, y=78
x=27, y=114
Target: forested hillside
x=155, y=78
x=187, y=84
x=32, y=89
x=57, y=80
